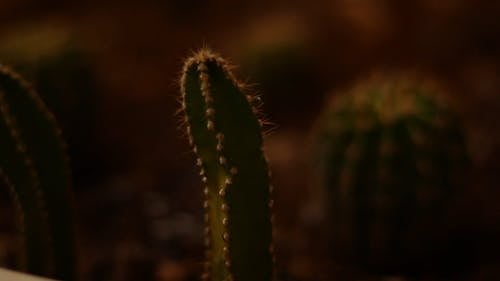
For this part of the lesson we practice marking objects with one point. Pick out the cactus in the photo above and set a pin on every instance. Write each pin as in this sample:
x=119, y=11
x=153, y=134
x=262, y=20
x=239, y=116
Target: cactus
x=34, y=166
x=55, y=60
x=390, y=155
x=225, y=134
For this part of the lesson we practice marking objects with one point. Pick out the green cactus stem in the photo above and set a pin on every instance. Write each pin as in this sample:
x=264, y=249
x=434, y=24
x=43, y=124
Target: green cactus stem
x=225, y=134
x=34, y=165
x=392, y=157
x=56, y=62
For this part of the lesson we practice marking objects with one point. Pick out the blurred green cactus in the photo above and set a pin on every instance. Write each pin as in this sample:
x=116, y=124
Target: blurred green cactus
x=50, y=55
x=34, y=165
x=56, y=61
x=225, y=134
x=391, y=156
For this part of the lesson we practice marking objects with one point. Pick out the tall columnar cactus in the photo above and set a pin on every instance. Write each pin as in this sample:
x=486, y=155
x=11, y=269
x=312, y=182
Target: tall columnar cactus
x=225, y=134
x=33, y=164
x=57, y=63
x=391, y=157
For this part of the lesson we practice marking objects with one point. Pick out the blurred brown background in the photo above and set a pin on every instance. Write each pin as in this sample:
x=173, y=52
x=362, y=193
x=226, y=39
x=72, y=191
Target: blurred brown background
x=138, y=195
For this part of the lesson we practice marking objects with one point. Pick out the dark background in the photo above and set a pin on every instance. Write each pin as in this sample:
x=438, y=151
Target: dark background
x=109, y=70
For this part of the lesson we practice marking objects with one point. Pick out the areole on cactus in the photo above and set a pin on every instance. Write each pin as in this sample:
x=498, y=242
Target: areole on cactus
x=226, y=135
x=391, y=155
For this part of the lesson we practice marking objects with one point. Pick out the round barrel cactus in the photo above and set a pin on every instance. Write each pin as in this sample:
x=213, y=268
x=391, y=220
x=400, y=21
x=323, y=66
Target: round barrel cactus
x=392, y=156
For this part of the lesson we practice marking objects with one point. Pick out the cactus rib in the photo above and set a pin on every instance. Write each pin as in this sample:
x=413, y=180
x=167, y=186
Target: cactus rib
x=34, y=166
x=226, y=136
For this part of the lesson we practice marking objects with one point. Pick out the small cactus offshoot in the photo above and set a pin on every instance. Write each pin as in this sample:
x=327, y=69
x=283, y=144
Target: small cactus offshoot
x=391, y=157
x=225, y=134
x=34, y=166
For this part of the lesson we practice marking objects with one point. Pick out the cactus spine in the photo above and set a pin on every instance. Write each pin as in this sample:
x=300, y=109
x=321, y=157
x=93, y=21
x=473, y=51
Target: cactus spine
x=225, y=134
x=391, y=156
x=34, y=166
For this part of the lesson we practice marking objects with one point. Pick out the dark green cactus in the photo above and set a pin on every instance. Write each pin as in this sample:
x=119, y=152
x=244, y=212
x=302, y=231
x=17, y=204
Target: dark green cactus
x=33, y=164
x=225, y=134
x=56, y=61
x=391, y=156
